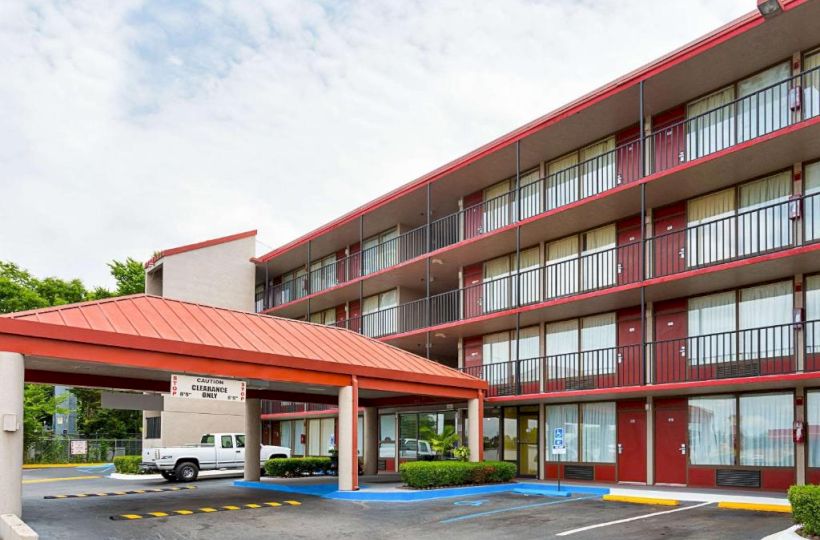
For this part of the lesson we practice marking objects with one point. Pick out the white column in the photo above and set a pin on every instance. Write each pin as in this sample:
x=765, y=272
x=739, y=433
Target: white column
x=371, y=441
x=12, y=372
x=348, y=474
x=253, y=437
x=474, y=413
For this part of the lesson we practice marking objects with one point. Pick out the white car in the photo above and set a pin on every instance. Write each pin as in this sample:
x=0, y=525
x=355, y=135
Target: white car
x=408, y=449
x=214, y=451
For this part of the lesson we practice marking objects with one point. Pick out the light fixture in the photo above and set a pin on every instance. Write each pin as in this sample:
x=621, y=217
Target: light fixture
x=769, y=8
x=440, y=335
x=436, y=261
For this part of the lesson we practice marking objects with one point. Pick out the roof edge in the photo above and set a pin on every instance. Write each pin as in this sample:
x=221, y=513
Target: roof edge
x=198, y=245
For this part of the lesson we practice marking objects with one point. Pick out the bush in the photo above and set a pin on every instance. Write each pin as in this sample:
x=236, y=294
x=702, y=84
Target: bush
x=294, y=467
x=427, y=474
x=805, y=501
x=127, y=464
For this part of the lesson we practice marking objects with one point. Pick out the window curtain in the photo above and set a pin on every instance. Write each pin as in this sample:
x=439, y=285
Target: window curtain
x=497, y=207
x=388, y=319
x=497, y=355
x=497, y=289
x=763, y=102
x=388, y=250
x=323, y=273
x=811, y=84
x=326, y=433
x=711, y=430
x=710, y=235
x=599, y=258
x=562, y=347
x=529, y=277
x=813, y=321
x=530, y=201
x=766, y=430
x=314, y=437
x=562, y=181
x=710, y=123
x=811, y=203
x=562, y=267
x=286, y=435
x=298, y=431
x=370, y=254
x=712, y=323
x=529, y=353
x=763, y=214
x=813, y=425
x=598, y=444
x=762, y=308
x=563, y=416
x=598, y=167
x=598, y=341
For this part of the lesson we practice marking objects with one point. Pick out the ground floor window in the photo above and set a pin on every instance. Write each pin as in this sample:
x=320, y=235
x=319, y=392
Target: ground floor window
x=321, y=436
x=589, y=431
x=153, y=426
x=417, y=430
x=813, y=421
x=749, y=430
x=387, y=436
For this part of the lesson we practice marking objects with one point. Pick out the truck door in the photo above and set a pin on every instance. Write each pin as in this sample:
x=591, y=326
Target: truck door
x=225, y=452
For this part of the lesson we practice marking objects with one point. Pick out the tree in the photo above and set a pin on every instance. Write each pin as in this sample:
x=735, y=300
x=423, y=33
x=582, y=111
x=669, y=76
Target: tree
x=130, y=276
x=40, y=406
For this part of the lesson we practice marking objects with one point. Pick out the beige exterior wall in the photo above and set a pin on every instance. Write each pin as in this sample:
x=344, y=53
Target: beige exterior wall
x=184, y=421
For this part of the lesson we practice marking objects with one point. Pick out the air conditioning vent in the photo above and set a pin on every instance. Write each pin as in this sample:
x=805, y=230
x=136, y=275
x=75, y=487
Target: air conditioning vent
x=579, y=472
x=737, y=369
x=738, y=478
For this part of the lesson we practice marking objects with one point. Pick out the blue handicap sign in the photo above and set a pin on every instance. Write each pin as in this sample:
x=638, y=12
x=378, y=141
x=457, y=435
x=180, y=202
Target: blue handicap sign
x=558, y=436
x=470, y=503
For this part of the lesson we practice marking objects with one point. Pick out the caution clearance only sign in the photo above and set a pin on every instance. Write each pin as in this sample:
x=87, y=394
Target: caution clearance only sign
x=192, y=387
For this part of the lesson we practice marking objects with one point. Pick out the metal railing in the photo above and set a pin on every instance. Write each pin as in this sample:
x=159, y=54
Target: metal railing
x=59, y=449
x=277, y=407
x=765, y=350
x=767, y=110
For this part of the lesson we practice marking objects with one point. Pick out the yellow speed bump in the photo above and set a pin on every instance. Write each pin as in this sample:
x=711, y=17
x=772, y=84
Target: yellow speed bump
x=784, y=508
x=641, y=500
x=202, y=510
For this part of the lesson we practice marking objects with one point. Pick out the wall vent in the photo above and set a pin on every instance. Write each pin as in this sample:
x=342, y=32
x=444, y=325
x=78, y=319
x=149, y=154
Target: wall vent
x=738, y=478
x=579, y=472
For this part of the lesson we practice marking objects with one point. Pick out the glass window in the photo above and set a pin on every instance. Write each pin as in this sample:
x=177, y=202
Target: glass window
x=562, y=181
x=811, y=203
x=711, y=430
x=565, y=416
x=710, y=234
x=227, y=441
x=710, y=123
x=598, y=442
x=327, y=434
x=763, y=214
x=497, y=290
x=598, y=258
x=286, y=435
x=765, y=314
x=497, y=206
x=813, y=322
x=387, y=436
x=766, y=430
x=711, y=328
x=598, y=341
x=491, y=434
x=240, y=441
x=510, y=434
x=408, y=436
x=811, y=84
x=529, y=276
x=562, y=267
x=813, y=422
x=530, y=194
x=598, y=167
x=562, y=343
x=299, y=437
x=314, y=436
x=207, y=439
x=763, y=104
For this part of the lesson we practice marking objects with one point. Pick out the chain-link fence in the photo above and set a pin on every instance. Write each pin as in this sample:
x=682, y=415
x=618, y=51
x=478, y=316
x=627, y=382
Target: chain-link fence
x=77, y=450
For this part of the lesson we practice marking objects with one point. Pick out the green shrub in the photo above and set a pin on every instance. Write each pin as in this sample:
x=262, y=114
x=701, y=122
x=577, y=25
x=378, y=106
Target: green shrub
x=127, y=464
x=805, y=501
x=299, y=466
x=427, y=474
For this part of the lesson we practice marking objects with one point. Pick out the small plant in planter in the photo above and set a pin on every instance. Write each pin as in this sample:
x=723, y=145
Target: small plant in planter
x=462, y=453
x=444, y=442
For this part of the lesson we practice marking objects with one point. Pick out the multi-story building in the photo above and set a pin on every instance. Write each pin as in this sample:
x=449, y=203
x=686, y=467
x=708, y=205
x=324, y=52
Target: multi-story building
x=640, y=268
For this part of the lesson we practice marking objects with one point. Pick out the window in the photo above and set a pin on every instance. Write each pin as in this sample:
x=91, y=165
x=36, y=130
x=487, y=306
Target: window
x=207, y=440
x=812, y=322
x=711, y=430
x=326, y=317
x=378, y=317
x=240, y=441
x=811, y=204
x=712, y=320
x=811, y=84
x=492, y=434
x=562, y=181
x=314, y=437
x=417, y=429
x=710, y=123
x=328, y=434
x=760, y=424
x=763, y=216
x=562, y=267
x=598, y=167
x=598, y=258
x=710, y=235
x=502, y=282
x=813, y=425
x=299, y=437
x=589, y=431
x=293, y=286
x=581, y=347
x=529, y=188
x=500, y=349
x=763, y=102
x=153, y=427
x=323, y=273
x=387, y=436
x=227, y=441
x=380, y=251
x=497, y=208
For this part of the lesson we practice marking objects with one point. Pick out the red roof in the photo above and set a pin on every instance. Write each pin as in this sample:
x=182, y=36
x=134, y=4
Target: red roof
x=715, y=37
x=185, y=327
x=199, y=245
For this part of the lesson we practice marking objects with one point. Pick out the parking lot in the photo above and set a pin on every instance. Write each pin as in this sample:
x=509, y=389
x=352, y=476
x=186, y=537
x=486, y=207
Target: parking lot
x=214, y=508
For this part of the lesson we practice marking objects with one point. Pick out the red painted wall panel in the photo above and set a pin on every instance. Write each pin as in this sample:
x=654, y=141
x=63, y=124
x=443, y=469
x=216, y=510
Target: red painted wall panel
x=669, y=240
x=813, y=476
x=668, y=138
x=629, y=370
x=629, y=250
x=473, y=215
x=341, y=315
x=473, y=348
x=701, y=477
x=472, y=276
x=354, y=263
x=341, y=267
x=605, y=473
x=777, y=479
x=627, y=155
x=355, y=312
x=551, y=470
x=671, y=321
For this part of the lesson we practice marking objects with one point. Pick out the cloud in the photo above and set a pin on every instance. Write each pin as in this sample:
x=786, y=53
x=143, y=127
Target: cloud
x=130, y=126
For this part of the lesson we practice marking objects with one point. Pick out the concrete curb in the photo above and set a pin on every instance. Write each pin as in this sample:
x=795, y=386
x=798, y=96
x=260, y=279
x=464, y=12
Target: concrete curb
x=783, y=508
x=788, y=534
x=34, y=466
x=13, y=528
x=642, y=500
x=202, y=474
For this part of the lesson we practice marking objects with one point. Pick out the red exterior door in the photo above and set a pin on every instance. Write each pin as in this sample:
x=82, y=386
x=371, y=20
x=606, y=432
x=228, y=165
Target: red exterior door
x=669, y=240
x=354, y=262
x=670, y=443
x=628, y=358
x=628, y=155
x=473, y=290
x=629, y=251
x=473, y=214
x=354, y=317
x=632, y=444
x=670, y=341
x=341, y=266
x=668, y=139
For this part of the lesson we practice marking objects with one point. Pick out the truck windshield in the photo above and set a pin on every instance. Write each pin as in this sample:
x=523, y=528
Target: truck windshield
x=207, y=439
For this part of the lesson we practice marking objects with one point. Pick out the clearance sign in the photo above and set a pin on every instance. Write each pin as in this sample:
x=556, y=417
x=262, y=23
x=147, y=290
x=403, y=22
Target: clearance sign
x=191, y=387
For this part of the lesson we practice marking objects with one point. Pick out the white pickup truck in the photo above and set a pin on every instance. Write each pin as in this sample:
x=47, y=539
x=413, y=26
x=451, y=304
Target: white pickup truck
x=214, y=451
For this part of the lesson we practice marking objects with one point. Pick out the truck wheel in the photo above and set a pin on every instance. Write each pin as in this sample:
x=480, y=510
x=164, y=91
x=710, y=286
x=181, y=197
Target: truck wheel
x=186, y=472
x=168, y=476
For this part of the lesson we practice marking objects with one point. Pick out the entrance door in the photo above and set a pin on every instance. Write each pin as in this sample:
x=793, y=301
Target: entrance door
x=629, y=359
x=670, y=445
x=632, y=446
x=671, y=321
x=629, y=251
x=669, y=240
x=527, y=442
x=473, y=290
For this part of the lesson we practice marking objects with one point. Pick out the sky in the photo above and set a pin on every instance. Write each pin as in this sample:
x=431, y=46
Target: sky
x=131, y=126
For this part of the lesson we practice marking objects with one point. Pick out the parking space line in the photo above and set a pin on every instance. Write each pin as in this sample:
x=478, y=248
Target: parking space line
x=202, y=510
x=512, y=509
x=61, y=479
x=119, y=493
x=627, y=520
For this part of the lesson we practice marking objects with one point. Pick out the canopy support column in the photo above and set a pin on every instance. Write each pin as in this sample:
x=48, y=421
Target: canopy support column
x=253, y=427
x=371, y=441
x=475, y=419
x=12, y=371
x=348, y=455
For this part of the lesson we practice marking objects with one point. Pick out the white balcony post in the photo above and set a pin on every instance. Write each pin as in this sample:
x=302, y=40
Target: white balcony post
x=475, y=410
x=348, y=453
x=253, y=439
x=12, y=373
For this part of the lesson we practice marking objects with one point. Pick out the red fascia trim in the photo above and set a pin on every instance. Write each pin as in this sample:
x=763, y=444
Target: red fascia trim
x=199, y=245
x=800, y=250
x=664, y=388
x=690, y=50
x=83, y=380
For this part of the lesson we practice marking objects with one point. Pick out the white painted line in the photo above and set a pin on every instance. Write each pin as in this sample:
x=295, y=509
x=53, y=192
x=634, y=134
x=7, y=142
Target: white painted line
x=627, y=520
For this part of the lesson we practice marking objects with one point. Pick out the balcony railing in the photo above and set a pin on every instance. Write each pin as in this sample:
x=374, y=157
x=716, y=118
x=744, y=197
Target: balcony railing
x=775, y=107
x=743, y=353
x=278, y=407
